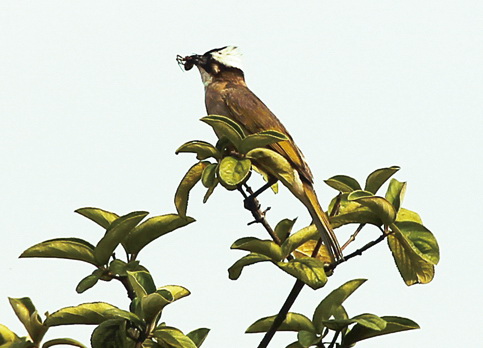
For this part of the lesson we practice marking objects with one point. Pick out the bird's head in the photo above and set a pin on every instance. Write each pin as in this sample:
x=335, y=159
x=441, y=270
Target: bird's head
x=213, y=62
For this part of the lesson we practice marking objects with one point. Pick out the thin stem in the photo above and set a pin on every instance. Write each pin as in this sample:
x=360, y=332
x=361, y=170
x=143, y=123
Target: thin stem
x=359, y=252
x=125, y=282
x=332, y=344
x=353, y=236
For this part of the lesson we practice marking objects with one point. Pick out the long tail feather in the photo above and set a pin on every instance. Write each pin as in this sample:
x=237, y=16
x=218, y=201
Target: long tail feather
x=321, y=221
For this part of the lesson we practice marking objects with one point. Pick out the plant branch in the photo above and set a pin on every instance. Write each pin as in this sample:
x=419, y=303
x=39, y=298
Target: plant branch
x=332, y=344
x=253, y=205
x=353, y=236
x=358, y=252
x=296, y=289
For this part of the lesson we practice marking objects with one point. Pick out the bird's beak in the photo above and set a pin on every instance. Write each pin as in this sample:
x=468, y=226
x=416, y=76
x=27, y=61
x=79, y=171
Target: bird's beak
x=189, y=61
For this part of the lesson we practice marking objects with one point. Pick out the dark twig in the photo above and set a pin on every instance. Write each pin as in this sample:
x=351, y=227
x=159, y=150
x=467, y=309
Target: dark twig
x=359, y=252
x=125, y=282
x=253, y=205
x=332, y=344
x=292, y=296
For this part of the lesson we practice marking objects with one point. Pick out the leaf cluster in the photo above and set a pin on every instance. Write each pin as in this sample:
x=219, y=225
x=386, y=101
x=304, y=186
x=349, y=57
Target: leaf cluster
x=140, y=326
x=330, y=317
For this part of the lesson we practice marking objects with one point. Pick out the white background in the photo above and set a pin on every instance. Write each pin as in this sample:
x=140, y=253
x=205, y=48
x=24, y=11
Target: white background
x=93, y=106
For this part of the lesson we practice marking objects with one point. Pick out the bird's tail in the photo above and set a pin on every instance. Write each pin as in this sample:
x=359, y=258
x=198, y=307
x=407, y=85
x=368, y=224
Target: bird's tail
x=321, y=221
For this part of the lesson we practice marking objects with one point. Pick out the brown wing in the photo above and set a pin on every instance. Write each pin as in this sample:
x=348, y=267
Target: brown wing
x=244, y=107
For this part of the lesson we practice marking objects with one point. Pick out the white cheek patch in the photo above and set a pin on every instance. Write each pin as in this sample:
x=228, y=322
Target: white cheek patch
x=205, y=77
x=230, y=56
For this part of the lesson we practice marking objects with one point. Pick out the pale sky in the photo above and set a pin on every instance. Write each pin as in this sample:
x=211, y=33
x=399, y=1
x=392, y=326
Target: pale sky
x=93, y=106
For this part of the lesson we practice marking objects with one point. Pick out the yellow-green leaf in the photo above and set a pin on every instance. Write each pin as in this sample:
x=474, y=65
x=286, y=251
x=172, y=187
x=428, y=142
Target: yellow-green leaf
x=234, y=271
x=415, y=251
x=293, y=322
x=378, y=177
x=309, y=270
x=152, y=229
x=381, y=207
x=115, y=234
x=189, y=180
x=225, y=127
x=393, y=324
x=63, y=248
x=395, y=193
x=173, y=338
x=258, y=246
x=87, y=313
x=343, y=183
x=202, y=149
x=261, y=139
x=233, y=171
x=277, y=166
x=101, y=217
x=330, y=304
x=208, y=177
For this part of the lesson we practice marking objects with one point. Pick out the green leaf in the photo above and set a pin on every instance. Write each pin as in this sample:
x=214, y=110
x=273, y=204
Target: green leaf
x=307, y=338
x=283, y=228
x=149, y=343
x=210, y=190
x=118, y=267
x=208, y=178
x=276, y=165
x=28, y=315
x=153, y=228
x=329, y=305
x=408, y=215
x=198, y=336
x=110, y=334
x=88, y=313
x=173, y=338
x=295, y=345
x=233, y=171
x=152, y=305
x=101, y=217
x=63, y=341
x=258, y=246
x=415, y=251
x=177, y=292
x=7, y=335
x=261, y=139
x=380, y=207
x=142, y=283
x=354, y=195
x=189, y=180
x=225, y=127
x=370, y=321
x=343, y=183
x=202, y=149
x=87, y=283
x=63, y=248
x=267, y=177
x=298, y=238
x=115, y=234
x=309, y=270
x=395, y=193
x=378, y=177
x=394, y=324
x=234, y=271
x=293, y=322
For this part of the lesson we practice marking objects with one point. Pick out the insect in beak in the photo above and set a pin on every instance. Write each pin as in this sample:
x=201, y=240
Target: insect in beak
x=186, y=62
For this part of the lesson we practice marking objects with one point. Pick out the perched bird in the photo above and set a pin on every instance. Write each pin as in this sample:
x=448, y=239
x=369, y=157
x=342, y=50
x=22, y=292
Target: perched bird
x=227, y=94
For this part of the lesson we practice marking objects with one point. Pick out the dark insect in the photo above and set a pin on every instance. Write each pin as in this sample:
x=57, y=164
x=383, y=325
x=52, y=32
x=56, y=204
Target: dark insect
x=187, y=62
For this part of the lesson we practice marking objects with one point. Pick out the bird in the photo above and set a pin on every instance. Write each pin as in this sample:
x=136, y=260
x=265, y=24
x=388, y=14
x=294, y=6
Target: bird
x=227, y=94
